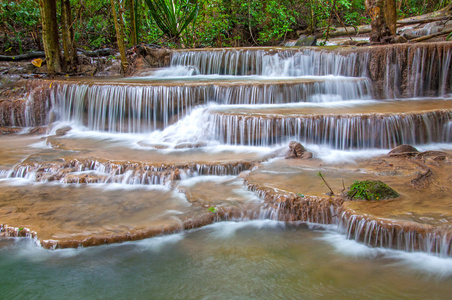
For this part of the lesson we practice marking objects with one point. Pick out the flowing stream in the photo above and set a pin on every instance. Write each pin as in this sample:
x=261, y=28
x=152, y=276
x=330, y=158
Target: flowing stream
x=230, y=260
x=125, y=155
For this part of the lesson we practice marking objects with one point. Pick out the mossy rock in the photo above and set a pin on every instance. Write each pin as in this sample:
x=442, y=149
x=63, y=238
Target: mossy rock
x=371, y=190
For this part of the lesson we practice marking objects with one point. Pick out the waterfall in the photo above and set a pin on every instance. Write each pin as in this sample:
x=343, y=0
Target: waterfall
x=131, y=109
x=93, y=171
x=374, y=232
x=409, y=237
x=142, y=109
x=272, y=62
x=336, y=131
x=187, y=120
x=401, y=70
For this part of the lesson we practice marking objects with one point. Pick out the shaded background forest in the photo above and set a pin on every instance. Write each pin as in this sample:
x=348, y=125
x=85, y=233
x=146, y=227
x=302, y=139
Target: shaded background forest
x=219, y=23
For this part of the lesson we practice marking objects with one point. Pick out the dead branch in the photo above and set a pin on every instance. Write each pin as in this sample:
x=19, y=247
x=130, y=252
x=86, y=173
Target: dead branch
x=321, y=176
x=422, y=179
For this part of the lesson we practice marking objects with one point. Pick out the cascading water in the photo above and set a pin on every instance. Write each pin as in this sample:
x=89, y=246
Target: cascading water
x=142, y=109
x=272, y=62
x=279, y=76
x=396, y=71
x=335, y=131
x=209, y=101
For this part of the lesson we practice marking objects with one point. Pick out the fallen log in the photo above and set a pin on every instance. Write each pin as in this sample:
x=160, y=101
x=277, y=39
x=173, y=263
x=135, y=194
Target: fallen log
x=41, y=54
x=344, y=31
x=405, y=22
x=438, y=15
x=30, y=55
x=427, y=37
x=99, y=52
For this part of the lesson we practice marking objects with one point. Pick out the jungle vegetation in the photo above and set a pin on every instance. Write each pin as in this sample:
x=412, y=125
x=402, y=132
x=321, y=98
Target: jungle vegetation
x=68, y=25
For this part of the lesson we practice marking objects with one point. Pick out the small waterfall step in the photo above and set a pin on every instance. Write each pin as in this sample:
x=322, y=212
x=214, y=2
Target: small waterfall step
x=90, y=215
x=415, y=221
x=81, y=160
x=135, y=106
x=399, y=70
x=269, y=61
x=362, y=125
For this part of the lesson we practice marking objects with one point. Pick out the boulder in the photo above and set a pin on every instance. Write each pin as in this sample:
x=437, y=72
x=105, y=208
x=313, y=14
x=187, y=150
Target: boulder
x=296, y=150
x=306, y=40
x=63, y=131
x=403, y=150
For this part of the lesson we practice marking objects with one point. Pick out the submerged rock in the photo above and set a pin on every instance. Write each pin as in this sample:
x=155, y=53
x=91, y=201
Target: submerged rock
x=371, y=190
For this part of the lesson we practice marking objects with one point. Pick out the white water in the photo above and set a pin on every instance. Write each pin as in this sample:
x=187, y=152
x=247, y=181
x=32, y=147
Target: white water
x=202, y=128
x=173, y=115
x=178, y=106
x=416, y=261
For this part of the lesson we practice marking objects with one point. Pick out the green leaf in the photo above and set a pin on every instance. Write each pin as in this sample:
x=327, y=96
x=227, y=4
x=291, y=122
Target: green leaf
x=173, y=17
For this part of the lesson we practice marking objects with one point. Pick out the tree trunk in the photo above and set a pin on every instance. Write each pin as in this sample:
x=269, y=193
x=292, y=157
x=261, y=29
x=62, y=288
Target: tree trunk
x=133, y=24
x=313, y=25
x=70, y=50
x=119, y=26
x=384, y=17
x=50, y=35
x=391, y=16
x=333, y=5
x=65, y=36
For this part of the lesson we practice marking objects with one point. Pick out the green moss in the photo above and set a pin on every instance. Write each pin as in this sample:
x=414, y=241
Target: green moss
x=371, y=190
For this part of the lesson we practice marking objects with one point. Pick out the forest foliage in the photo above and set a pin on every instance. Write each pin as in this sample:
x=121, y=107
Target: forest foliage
x=200, y=23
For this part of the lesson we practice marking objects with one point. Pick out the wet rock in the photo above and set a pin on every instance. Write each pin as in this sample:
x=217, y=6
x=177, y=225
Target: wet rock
x=296, y=150
x=111, y=68
x=306, y=155
x=371, y=190
x=431, y=161
x=152, y=146
x=190, y=145
x=38, y=130
x=144, y=59
x=306, y=40
x=403, y=150
x=88, y=70
x=9, y=130
x=175, y=175
x=63, y=131
x=399, y=39
x=158, y=57
x=435, y=155
x=244, y=174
